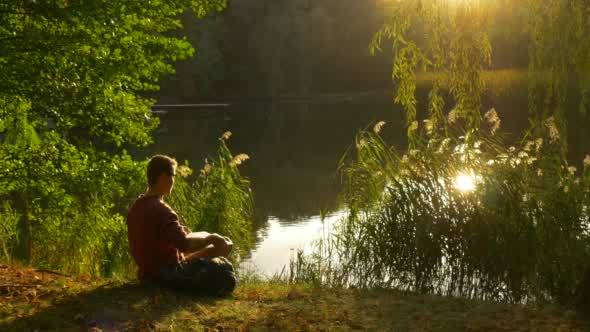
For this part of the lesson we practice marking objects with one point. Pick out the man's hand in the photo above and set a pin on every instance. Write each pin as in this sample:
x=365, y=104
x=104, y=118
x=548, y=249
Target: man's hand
x=204, y=244
x=222, y=244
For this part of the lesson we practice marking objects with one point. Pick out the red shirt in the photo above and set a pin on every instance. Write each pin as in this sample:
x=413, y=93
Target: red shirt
x=155, y=235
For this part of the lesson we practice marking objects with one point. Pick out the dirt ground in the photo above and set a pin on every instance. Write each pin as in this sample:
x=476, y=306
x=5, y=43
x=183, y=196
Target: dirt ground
x=36, y=300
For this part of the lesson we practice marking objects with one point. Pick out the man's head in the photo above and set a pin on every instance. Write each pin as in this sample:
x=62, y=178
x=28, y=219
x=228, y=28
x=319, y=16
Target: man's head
x=160, y=174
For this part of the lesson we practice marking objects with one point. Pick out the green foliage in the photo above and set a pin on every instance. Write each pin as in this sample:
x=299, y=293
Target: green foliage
x=71, y=206
x=72, y=97
x=219, y=200
x=453, y=40
x=455, y=45
x=559, y=64
x=522, y=231
x=204, y=7
x=84, y=64
x=522, y=234
x=8, y=230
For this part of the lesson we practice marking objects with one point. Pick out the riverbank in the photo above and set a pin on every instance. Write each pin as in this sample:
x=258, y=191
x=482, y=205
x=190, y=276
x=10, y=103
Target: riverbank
x=43, y=300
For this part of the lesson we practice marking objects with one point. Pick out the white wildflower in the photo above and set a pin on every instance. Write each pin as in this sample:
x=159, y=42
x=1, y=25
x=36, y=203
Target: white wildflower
x=460, y=148
x=361, y=144
x=572, y=170
x=184, y=171
x=552, y=128
x=443, y=145
x=538, y=143
x=502, y=158
x=429, y=125
x=539, y=172
x=587, y=161
x=206, y=169
x=452, y=117
x=528, y=146
x=414, y=153
x=226, y=135
x=511, y=149
x=493, y=119
x=239, y=159
x=378, y=127
x=495, y=127
x=522, y=155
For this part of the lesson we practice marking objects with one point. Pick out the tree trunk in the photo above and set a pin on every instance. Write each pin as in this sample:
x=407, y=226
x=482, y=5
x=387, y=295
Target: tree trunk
x=24, y=239
x=583, y=293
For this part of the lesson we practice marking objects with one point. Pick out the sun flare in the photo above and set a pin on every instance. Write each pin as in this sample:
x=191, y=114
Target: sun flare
x=465, y=182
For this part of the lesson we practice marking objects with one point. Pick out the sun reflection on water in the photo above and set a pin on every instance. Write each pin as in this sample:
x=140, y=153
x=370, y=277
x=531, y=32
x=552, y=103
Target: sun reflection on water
x=465, y=182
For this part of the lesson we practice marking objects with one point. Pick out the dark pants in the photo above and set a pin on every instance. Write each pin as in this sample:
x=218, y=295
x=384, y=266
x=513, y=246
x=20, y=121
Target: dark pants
x=203, y=276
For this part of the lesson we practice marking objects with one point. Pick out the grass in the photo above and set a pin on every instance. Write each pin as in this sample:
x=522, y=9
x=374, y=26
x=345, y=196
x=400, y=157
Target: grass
x=218, y=199
x=520, y=235
x=35, y=300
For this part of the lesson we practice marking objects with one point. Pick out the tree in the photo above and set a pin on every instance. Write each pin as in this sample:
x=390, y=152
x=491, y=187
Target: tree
x=453, y=40
x=72, y=97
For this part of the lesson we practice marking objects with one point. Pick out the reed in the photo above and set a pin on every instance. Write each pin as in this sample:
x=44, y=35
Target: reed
x=464, y=216
x=218, y=199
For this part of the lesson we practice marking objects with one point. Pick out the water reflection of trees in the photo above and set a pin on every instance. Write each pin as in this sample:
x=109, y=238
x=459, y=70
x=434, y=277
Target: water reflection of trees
x=268, y=48
x=294, y=148
x=271, y=47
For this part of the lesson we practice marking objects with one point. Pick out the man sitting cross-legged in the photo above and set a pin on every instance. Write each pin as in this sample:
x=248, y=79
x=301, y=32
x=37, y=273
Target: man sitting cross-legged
x=165, y=252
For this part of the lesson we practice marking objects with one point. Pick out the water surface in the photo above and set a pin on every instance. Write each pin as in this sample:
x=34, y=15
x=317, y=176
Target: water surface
x=295, y=149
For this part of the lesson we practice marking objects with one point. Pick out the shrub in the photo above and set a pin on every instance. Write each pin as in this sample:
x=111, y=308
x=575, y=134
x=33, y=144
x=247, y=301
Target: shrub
x=464, y=216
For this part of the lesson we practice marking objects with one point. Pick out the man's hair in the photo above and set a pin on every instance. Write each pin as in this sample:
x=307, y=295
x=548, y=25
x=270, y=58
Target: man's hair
x=158, y=165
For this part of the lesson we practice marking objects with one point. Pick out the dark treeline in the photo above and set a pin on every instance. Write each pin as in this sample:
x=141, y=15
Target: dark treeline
x=270, y=48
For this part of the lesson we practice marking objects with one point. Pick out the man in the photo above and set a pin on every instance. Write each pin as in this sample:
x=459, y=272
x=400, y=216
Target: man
x=165, y=252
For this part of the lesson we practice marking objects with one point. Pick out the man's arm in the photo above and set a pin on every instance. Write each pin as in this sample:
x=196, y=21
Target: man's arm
x=214, y=244
x=209, y=244
x=197, y=241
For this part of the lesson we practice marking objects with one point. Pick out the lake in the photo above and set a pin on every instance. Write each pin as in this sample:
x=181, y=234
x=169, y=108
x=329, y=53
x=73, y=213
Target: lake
x=294, y=151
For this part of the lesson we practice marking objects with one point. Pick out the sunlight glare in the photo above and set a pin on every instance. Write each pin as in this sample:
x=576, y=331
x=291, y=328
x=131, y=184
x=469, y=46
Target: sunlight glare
x=465, y=182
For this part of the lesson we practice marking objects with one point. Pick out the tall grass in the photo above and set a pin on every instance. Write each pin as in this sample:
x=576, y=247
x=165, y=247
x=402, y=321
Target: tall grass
x=86, y=232
x=522, y=234
x=218, y=198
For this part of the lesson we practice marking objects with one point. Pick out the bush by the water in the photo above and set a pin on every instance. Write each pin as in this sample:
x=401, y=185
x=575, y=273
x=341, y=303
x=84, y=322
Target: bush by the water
x=462, y=216
x=462, y=212
x=79, y=225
